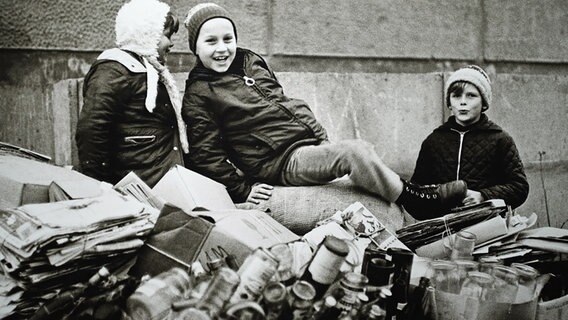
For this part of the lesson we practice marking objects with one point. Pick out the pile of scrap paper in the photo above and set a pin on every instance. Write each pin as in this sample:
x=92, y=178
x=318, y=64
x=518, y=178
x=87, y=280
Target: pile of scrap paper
x=48, y=246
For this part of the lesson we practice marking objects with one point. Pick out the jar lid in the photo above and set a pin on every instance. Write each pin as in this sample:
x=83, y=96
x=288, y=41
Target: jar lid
x=304, y=290
x=336, y=245
x=274, y=292
x=354, y=280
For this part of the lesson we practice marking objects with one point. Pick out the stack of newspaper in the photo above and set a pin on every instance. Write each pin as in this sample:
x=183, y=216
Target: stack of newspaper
x=49, y=246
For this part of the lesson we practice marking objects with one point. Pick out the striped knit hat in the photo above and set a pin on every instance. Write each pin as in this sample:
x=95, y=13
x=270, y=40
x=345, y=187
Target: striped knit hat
x=474, y=75
x=200, y=14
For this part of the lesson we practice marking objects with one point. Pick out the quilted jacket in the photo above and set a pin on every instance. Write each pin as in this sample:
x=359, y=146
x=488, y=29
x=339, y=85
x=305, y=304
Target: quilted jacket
x=116, y=134
x=242, y=119
x=483, y=155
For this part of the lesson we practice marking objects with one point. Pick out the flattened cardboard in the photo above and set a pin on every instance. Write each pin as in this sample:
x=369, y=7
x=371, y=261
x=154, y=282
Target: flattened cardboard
x=24, y=181
x=179, y=239
x=191, y=191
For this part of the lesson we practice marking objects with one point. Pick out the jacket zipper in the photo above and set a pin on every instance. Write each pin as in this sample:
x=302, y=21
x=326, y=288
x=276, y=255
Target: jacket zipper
x=250, y=82
x=462, y=134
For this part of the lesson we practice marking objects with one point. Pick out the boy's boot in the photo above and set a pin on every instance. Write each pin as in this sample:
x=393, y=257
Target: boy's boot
x=429, y=201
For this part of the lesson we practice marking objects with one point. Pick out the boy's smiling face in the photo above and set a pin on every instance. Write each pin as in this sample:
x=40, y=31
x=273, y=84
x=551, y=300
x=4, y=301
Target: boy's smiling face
x=466, y=104
x=216, y=44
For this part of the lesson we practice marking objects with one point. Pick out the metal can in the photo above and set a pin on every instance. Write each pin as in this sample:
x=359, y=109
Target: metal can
x=302, y=297
x=257, y=270
x=220, y=289
x=153, y=299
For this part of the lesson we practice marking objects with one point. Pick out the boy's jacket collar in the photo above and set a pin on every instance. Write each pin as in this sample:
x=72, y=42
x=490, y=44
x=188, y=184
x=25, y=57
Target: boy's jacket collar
x=483, y=124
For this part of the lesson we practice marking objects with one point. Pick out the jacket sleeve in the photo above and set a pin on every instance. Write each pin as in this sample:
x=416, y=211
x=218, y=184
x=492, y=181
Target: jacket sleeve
x=207, y=155
x=514, y=188
x=104, y=90
x=422, y=169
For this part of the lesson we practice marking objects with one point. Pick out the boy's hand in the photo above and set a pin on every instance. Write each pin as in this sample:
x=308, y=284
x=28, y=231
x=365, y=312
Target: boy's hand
x=472, y=197
x=260, y=192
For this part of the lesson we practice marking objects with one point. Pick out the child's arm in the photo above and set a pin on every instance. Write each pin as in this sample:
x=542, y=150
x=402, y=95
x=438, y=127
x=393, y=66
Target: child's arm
x=207, y=154
x=515, y=188
x=104, y=92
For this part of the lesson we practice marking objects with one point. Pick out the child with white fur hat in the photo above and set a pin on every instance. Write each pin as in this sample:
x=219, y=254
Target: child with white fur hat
x=471, y=147
x=131, y=116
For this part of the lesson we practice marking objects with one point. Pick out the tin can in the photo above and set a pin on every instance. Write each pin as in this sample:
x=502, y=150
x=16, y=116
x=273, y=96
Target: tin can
x=153, y=299
x=257, y=270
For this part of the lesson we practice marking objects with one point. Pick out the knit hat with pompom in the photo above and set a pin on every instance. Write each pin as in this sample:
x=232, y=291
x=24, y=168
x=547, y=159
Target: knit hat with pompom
x=474, y=75
x=200, y=14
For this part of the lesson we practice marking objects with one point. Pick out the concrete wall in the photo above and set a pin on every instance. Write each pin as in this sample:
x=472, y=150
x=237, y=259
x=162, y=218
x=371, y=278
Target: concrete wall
x=523, y=45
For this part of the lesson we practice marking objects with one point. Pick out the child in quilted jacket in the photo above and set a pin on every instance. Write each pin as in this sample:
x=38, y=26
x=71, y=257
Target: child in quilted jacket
x=471, y=147
x=240, y=120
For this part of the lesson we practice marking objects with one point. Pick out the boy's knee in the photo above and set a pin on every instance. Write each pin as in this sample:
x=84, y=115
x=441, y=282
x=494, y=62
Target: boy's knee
x=357, y=148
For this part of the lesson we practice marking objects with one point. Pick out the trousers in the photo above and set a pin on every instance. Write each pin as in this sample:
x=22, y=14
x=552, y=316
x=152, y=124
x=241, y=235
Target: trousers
x=320, y=164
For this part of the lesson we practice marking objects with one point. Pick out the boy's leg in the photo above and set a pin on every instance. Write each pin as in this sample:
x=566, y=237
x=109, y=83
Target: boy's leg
x=312, y=165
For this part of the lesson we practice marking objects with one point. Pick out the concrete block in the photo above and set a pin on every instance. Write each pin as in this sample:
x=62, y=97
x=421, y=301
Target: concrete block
x=530, y=30
x=394, y=112
x=250, y=16
x=362, y=28
x=89, y=25
x=534, y=110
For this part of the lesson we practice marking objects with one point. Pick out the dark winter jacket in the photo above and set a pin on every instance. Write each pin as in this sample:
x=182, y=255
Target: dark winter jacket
x=482, y=154
x=242, y=118
x=116, y=134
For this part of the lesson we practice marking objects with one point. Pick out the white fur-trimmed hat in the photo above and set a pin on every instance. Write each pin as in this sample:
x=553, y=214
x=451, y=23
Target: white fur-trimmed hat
x=139, y=26
x=474, y=75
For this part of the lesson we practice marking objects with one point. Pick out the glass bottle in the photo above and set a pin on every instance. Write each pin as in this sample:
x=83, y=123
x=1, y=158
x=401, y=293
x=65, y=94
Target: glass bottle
x=328, y=310
x=444, y=276
x=285, y=257
x=464, y=267
x=413, y=309
x=402, y=260
x=462, y=248
x=376, y=313
x=527, y=280
x=274, y=298
x=476, y=285
x=255, y=272
x=153, y=299
x=325, y=264
x=486, y=263
x=199, y=280
x=505, y=286
x=352, y=283
x=302, y=297
x=219, y=291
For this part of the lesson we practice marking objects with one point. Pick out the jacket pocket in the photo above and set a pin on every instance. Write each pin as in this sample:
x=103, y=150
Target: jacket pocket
x=140, y=139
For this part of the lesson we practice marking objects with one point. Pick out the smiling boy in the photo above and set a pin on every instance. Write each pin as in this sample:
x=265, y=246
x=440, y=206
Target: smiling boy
x=247, y=134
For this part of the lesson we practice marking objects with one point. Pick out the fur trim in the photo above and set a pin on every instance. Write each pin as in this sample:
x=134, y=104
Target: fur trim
x=139, y=26
x=175, y=99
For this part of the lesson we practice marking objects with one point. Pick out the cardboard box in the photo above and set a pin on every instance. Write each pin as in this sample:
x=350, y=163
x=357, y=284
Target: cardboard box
x=179, y=239
x=191, y=191
x=24, y=181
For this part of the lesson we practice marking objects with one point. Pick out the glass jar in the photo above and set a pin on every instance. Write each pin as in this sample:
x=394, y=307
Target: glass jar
x=286, y=259
x=486, y=263
x=505, y=286
x=527, y=280
x=476, y=285
x=464, y=267
x=444, y=276
x=462, y=248
x=352, y=283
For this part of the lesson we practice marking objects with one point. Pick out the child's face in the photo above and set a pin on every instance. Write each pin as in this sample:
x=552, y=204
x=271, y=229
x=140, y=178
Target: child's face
x=164, y=46
x=216, y=44
x=466, y=105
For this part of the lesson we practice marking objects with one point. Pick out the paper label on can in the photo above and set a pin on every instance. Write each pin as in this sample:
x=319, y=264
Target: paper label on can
x=325, y=266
